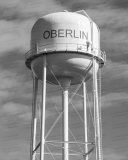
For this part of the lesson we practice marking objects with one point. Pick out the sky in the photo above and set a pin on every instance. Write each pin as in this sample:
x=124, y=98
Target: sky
x=16, y=20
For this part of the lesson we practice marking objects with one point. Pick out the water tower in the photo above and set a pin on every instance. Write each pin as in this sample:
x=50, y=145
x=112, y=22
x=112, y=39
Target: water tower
x=65, y=51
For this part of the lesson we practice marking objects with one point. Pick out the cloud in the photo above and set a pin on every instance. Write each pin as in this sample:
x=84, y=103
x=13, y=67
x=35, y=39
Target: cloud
x=19, y=149
x=9, y=82
x=78, y=5
x=15, y=86
x=4, y=94
x=74, y=4
x=8, y=79
x=22, y=9
x=24, y=112
x=119, y=4
x=15, y=36
x=110, y=154
x=113, y=99
x=114, y=71
x=108, y=19
x=17, y=18
x=16, y=109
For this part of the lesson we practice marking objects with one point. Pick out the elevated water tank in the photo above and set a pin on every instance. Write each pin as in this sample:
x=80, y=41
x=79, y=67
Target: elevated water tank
x=69, y=40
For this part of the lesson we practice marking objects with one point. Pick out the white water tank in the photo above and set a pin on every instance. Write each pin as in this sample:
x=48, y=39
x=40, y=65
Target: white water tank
x=69, y=41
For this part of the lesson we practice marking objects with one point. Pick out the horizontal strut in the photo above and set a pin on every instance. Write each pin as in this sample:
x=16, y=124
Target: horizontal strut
x=91, y=143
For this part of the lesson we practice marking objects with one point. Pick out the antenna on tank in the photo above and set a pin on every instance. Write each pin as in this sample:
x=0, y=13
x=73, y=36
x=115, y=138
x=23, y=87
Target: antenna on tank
x=65, y=52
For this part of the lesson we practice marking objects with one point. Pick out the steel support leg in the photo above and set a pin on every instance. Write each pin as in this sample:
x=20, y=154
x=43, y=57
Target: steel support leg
x=34, y=119
x=65, y=83
x=42, y=134
x=85, y=119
